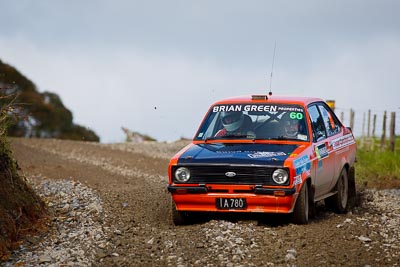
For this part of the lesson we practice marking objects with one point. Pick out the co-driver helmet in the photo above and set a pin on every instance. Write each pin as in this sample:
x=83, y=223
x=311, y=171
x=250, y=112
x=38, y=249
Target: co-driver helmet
x=290, y=126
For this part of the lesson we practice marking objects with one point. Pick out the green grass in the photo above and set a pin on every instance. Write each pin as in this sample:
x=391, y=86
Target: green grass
x=376, y=168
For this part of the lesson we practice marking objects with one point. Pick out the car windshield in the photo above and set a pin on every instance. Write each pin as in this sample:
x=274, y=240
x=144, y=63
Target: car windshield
x=254, y=121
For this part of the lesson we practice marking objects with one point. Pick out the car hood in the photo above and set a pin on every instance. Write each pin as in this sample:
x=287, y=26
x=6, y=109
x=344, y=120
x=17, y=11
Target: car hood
x=221, y=153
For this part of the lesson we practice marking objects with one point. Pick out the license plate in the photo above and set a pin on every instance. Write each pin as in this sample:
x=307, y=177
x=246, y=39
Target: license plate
x=231, y=203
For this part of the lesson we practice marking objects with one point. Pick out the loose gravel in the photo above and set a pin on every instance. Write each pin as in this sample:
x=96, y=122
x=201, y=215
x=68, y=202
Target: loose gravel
x=74, y=232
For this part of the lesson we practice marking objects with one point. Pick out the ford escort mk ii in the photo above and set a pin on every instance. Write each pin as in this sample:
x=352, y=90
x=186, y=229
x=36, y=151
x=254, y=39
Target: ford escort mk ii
x=264, y=154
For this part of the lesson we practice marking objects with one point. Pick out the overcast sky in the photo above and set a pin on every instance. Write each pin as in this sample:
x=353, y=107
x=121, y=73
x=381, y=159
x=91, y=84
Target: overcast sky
x=156, y=66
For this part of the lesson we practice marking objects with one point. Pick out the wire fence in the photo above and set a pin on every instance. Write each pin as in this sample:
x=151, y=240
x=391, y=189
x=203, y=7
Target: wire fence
x=370, y=124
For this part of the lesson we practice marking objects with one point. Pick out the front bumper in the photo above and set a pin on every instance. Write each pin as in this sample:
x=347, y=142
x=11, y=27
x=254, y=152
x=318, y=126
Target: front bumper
x=259, y=199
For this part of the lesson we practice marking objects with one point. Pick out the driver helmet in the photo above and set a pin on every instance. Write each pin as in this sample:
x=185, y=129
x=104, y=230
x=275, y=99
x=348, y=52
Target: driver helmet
x=232, y=120
x=290, y=126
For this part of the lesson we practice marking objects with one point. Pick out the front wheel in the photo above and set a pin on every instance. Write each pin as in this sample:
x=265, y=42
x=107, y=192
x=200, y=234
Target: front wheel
x=181, y=217
x=339, y=201
x=301, y=208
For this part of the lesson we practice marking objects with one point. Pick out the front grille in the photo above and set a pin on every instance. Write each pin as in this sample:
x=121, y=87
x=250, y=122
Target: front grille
x=244, y=175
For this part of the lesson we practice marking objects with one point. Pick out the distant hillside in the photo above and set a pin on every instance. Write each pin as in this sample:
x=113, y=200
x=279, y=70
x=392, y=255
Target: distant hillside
x=44, y=115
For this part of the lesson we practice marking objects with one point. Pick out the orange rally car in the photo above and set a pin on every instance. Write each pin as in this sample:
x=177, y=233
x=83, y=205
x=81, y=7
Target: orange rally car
x=268, y=154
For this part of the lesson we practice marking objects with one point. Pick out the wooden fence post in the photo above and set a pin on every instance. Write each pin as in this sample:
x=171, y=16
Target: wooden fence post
x=362, y=141
x=363, y=125
x=374, y=126
x=392, y=131
x=352, y=119
x=383, y=138
x=373, y=133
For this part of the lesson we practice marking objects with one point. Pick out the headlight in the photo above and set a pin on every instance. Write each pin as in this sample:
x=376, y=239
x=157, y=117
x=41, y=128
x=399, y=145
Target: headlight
x=280, y=176
x=182, y=174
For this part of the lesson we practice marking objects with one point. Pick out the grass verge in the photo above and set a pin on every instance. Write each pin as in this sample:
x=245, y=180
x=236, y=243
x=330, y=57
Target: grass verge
x=378, y=169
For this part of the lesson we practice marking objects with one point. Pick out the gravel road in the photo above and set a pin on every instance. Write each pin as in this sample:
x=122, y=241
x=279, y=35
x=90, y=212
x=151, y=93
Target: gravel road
x=110, y=207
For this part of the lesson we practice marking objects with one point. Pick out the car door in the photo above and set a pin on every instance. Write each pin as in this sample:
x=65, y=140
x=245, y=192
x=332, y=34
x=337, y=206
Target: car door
x=322, y=159
x=333, y=130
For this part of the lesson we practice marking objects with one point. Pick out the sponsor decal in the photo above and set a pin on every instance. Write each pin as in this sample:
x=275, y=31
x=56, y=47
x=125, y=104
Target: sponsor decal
x=265, y=108
x=302, y=164
x=263, y=154
x=290, y=108
x=302, y=137
x=296, y=115
x=338, y=152
x=241, y=151
x=343, y=141
x=301, y=161
x=297, y=180
x=321, y=151
x=296, y=112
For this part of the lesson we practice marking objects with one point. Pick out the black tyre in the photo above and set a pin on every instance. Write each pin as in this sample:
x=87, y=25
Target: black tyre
x=301, y=208
x=352, y=189
x=339, y=201
x=179, y=217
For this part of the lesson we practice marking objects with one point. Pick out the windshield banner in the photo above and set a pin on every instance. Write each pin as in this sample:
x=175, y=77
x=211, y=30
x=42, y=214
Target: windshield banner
x=254, y=108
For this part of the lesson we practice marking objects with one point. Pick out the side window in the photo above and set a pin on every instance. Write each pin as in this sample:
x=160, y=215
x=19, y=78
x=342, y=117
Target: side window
x=209, y=127
x=317, y=124
x=331, y=123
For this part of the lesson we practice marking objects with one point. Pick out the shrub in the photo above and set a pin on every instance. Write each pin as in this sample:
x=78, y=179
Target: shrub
x=20, y=207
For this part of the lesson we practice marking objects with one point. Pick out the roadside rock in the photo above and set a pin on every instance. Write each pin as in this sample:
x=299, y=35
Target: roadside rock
x=75, y=230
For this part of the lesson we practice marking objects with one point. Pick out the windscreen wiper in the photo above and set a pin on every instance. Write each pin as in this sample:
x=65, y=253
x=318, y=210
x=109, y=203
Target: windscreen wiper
x=247, y=136
x=286, y=138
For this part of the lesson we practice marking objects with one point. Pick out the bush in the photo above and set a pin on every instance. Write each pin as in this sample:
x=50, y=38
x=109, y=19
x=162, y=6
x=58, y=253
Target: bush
x=8, y=111
x=20, y=207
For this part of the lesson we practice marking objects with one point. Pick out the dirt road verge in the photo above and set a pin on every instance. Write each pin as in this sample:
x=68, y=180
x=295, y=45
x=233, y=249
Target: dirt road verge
x=118, y=191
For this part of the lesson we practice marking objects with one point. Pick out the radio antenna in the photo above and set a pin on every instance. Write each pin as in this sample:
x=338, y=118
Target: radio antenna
x=272, y=70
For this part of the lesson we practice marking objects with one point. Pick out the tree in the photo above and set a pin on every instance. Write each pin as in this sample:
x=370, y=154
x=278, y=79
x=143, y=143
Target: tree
x=43, y=114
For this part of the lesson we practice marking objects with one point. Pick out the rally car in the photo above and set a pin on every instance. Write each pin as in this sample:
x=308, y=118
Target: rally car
x=265, y=154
